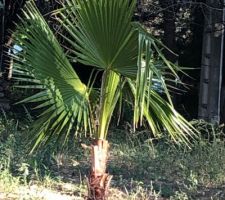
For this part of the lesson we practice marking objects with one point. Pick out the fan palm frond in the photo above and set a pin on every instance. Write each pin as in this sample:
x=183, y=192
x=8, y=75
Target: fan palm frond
x=100, y=34
x=43, y=65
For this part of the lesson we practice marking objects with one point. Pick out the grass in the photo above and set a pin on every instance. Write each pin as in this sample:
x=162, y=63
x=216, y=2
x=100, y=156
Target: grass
x=142, y=168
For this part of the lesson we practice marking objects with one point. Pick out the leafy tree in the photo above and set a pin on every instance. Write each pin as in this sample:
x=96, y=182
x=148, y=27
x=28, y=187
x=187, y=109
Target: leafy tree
x=101, y=34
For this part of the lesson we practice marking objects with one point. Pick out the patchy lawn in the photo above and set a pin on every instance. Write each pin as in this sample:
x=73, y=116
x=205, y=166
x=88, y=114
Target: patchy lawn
x=141, y=170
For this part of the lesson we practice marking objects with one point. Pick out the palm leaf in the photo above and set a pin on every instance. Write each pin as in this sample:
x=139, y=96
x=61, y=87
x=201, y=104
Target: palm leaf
x=149, y=56
x=160, y=114
x=100, y=34
x=112, y=85
x=43, y=65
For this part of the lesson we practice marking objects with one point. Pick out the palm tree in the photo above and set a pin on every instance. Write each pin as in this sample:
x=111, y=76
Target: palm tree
x=100, y=34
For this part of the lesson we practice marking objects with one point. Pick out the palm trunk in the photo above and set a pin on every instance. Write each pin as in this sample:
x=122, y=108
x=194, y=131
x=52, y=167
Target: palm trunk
x=99, y=180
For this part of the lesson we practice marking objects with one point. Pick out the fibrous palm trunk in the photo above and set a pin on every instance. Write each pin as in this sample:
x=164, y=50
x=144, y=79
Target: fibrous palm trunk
x=99, y=180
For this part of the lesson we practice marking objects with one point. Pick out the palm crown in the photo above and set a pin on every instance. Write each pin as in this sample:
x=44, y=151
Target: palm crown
x=101, y=34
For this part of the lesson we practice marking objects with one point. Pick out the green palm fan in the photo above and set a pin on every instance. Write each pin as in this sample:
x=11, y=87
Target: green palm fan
x=100, y=34
x=43, y=65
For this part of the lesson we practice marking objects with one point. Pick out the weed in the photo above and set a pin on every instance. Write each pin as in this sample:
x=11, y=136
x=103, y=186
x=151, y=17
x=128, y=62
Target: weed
x=8, y=183
x=179, y=196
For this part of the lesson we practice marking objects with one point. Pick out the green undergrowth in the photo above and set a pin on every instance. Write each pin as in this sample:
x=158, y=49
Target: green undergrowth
x=142, y=168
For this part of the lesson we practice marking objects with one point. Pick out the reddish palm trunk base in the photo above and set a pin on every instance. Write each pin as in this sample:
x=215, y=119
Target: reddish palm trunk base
x=99, y=180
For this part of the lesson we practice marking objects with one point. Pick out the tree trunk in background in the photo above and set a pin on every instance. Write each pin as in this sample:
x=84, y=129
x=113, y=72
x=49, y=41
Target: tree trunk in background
x=99, y=180
x=169, y=36
x=212, y=63
x=11, y=11
x=8, y=16
x=4, y=103
x=2, y=31
x=169, y=28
